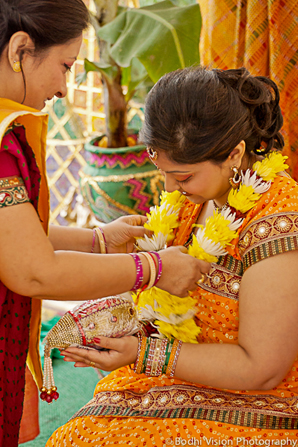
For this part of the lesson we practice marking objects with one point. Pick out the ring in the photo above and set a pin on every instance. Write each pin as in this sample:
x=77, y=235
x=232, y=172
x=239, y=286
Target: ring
x=202, y=279
x=92, y=364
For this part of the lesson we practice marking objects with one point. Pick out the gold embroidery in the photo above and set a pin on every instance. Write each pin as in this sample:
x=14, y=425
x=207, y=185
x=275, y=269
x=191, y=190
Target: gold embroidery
x=12, y=191
x=269, y=236
x=221, y=281
x=187, y=401
x=9, y=182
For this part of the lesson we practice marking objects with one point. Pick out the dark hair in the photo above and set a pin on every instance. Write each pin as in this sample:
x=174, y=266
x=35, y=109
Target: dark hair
x=196, y=114
x=48, y=22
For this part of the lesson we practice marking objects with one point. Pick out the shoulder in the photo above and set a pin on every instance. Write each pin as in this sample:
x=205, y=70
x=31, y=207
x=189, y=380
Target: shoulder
x=271, y=227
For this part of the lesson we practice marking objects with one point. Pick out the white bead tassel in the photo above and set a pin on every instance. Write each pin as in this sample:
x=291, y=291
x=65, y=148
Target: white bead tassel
x=48, y=390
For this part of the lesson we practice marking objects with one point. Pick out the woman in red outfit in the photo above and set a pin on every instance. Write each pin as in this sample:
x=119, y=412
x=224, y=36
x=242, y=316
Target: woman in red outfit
x=39, y=42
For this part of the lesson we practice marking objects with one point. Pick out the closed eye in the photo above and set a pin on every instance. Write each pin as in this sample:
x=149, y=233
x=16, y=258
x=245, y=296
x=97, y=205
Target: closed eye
x=184, y=180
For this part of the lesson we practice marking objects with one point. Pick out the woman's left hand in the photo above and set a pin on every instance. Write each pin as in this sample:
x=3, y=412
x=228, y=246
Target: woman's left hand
x=121, y=352
x=120, y=234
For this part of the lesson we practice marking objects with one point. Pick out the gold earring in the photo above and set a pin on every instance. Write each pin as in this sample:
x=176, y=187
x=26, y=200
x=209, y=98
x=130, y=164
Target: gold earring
x=236, y=177
x=152, y=154
x=16, y=66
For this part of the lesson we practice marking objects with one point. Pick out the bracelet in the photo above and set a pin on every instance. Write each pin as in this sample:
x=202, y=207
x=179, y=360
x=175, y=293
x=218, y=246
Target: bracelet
x=139, y=268
x=157, y=356
x=159, y=270
x=102, y=240
x=175, y=351
x=152, y=269
x=93, y=240
x=141, y=353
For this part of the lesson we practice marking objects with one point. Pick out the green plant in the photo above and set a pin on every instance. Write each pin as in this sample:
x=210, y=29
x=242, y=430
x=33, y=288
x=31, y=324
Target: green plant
x=137, y=46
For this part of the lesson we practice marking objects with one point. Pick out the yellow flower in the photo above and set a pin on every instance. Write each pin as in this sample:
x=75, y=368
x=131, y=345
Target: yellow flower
x=164, y=218
x=217, y=229
x=175, y=199
x=270, y=166
x=197, y=251
x=187, y=331
x=160, y=222
x=244, y=199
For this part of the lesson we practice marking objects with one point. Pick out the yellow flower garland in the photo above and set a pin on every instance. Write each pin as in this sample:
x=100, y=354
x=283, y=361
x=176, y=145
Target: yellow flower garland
x=174, y=316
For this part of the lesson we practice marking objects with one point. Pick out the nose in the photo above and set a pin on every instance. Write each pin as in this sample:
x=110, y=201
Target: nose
x=63, y=90
x=170, y=184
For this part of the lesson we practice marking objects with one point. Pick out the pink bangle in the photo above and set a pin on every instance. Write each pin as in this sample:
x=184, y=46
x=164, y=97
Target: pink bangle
x=159, y=270
x=139, y=268
x=93, y=241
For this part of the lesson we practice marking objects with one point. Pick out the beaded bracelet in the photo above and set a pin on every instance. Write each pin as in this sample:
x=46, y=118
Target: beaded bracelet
x=93, y=240
x=157, y=356
x=102, y=240
x=139, y=268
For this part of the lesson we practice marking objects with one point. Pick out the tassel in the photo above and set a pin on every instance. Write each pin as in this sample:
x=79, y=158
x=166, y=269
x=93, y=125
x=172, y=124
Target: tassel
x=48, y=390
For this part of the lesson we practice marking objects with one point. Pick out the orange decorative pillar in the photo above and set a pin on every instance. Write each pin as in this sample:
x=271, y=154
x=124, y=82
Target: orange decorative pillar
x=261, y=35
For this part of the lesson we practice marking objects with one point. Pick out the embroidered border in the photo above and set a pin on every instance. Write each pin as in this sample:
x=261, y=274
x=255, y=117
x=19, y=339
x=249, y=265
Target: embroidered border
x=221, y=281
x=231, y=264
x=269, y=236
x=190, y=402
x=12, y=191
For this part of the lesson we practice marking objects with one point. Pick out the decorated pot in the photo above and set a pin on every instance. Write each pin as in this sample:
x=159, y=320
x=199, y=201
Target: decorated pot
x=118, y=182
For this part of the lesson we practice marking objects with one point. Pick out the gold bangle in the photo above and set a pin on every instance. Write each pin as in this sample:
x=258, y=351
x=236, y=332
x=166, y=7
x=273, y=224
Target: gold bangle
x=152, y=269
x=101, y=241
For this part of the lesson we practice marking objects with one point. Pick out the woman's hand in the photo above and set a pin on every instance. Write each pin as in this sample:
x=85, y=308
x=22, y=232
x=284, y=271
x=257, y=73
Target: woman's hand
x=120, y=234
x=121, y=352
x=180, y=271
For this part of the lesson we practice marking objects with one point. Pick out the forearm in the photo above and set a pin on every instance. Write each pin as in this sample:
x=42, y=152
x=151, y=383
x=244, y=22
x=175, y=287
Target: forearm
x=74, y=239
x=78, y=276
x=226, y=366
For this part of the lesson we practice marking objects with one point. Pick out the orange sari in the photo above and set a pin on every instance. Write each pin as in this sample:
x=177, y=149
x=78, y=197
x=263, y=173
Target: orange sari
x=136, y=410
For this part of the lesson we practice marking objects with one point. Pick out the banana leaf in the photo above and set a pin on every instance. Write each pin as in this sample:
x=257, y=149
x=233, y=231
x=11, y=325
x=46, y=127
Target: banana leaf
x=163, y=37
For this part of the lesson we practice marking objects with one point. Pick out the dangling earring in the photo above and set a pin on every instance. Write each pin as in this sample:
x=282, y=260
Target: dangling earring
x=236, y=177
x=16, y=66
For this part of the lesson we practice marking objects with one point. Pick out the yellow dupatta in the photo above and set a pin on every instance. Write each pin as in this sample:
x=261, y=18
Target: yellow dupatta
x=35, y=123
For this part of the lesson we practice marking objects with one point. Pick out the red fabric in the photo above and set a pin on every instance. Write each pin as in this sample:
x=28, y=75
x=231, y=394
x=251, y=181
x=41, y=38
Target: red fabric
x=16, y=159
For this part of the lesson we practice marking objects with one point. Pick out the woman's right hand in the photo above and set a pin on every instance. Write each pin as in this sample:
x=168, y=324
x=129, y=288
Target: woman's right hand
x=180, y=271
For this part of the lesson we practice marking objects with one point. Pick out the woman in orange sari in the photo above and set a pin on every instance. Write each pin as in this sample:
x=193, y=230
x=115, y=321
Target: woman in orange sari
x=238, y=385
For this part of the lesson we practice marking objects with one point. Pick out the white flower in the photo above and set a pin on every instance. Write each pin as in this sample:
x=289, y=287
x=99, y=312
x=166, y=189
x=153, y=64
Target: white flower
x=258, y=185
x=148, y=314
x=228, y=215
x=154, y=243
x=210, y=247
x=169, y=209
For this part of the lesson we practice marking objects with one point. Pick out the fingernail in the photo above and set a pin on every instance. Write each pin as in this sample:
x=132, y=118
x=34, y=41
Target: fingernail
x=96, y=340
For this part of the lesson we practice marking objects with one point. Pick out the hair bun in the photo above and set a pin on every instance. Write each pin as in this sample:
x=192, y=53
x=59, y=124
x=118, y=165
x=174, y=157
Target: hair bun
x=261, y=96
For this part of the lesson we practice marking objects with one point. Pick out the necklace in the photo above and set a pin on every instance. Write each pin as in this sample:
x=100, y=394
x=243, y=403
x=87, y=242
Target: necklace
x=174, y=316
x=220, y=208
